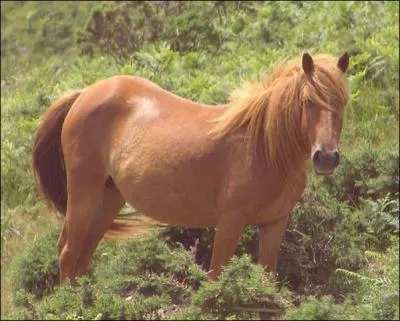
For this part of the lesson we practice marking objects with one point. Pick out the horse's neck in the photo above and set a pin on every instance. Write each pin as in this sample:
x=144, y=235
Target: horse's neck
x=257, y=159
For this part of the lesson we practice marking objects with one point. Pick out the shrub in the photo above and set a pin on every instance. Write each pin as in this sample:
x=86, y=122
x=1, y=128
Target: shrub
x=378, y=283
x=149, y=256
x=366, y=172
x=36, y=269
x=201, y=51
x=325, y=309
x=200, y=242
x=375, y=293
x=241, y=285
x=124, y=28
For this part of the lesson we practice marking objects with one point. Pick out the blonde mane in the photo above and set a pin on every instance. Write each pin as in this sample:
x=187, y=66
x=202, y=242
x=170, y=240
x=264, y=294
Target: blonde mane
x=270, y=110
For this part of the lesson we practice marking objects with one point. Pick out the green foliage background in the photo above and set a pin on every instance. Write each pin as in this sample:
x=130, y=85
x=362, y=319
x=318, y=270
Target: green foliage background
x=339, y=259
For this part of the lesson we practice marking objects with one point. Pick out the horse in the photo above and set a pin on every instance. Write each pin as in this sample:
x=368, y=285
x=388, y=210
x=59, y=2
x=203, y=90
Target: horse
x=189, y=164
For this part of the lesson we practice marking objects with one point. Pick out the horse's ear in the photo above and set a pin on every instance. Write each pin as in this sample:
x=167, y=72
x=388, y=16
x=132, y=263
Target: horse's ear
x=343, y=62
x=308, y=64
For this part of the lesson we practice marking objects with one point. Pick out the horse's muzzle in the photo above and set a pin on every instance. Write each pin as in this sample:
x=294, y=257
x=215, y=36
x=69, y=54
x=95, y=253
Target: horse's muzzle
x=324, y=162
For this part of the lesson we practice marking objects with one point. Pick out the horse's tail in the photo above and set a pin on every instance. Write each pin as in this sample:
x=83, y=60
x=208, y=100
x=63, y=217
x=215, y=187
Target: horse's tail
x=47, y=156
x=128, y=228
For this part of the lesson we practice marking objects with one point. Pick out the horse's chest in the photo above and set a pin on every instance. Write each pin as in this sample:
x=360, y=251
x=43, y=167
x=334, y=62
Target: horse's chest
x=280, y=203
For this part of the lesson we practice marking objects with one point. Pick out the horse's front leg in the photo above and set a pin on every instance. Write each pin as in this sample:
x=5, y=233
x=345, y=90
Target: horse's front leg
x=270, y=239
x=228, y=231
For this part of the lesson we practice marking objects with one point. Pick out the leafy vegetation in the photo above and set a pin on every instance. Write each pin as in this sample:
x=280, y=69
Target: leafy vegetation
x=339, y=258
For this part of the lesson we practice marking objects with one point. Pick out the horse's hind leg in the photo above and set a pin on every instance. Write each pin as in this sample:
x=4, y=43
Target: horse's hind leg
x=85, y=201
x=112, y=203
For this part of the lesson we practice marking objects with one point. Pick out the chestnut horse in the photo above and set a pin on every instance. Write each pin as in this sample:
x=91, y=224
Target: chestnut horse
x=125, y=139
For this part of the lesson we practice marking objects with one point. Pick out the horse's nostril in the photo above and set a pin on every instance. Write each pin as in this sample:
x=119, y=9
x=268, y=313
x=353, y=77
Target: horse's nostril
x=336, y=158
x=317, y=156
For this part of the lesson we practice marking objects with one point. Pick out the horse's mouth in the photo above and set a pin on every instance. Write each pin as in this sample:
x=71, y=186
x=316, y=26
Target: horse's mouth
x=323, y=172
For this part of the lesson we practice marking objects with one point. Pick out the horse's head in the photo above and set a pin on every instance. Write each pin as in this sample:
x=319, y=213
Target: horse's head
x=324, y=97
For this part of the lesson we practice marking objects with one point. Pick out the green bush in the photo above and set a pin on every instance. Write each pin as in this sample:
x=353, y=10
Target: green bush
x=124, y=28
x=378, y=283
x=133, y=288
x=200, y=242
x=149, y=256
x=366, y=172
x=325, y=309
x=242, y=285
x=36, y=269
x=375, y=293
x=202, y=51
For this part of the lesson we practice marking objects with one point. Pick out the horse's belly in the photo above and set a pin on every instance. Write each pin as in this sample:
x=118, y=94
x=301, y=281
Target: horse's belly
x=168, y=187
x=166, y=204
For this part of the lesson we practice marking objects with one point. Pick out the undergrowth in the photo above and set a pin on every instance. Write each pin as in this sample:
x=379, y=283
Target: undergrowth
x=339, y=257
